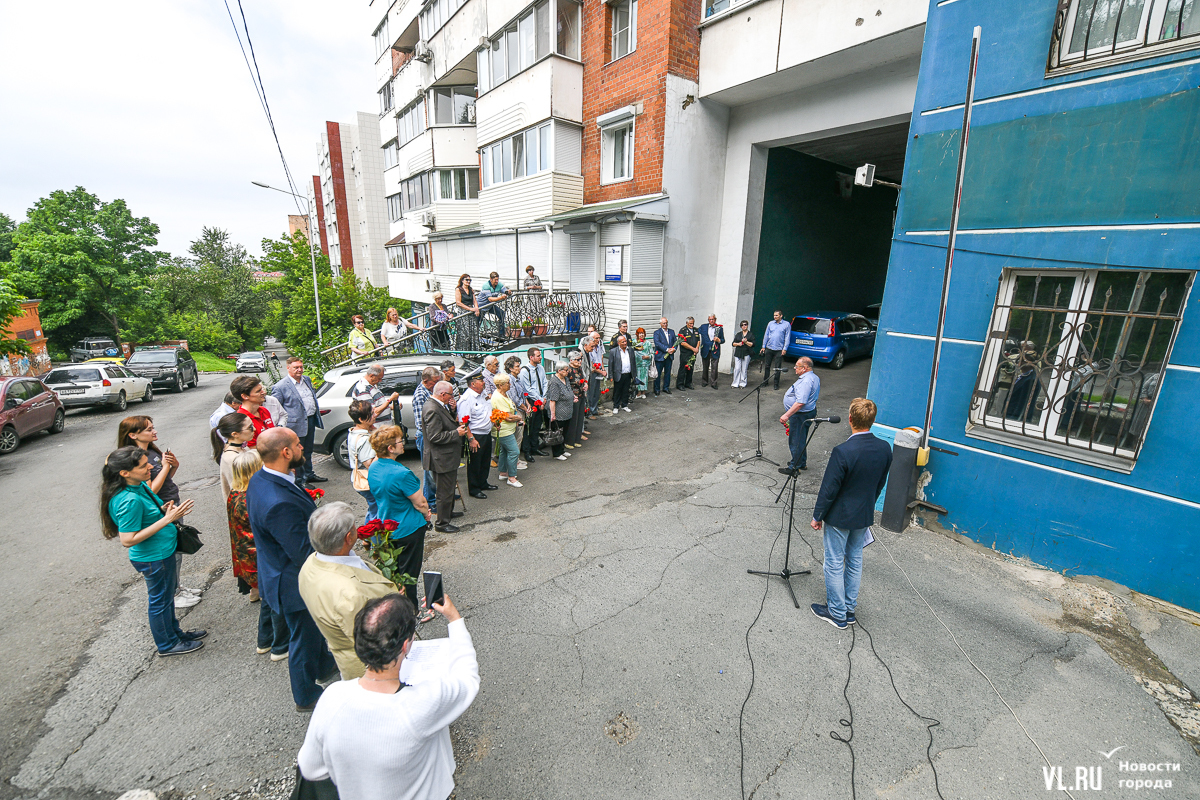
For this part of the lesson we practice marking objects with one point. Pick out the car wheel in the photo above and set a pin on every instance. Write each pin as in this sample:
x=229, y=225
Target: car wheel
x=149, y=395
x=8, y=440
x=839, y=360
x=60, y=422
x=179, y=383
x=122, y=402
x=341, y=452
x=195, y=379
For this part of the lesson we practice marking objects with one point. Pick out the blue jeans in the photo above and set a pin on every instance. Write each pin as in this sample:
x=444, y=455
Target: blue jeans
x=309, y=659
x=798, y=425
x=664, y=372
x=372, y=508
x=508, y=455
x=428, y=487
x=161, y=582
x=272, y=629
x=843, y=569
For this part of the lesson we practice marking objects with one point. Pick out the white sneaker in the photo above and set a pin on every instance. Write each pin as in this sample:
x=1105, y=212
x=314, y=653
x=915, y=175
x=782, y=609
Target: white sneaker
x=515, y=482
x=628, y=410
x=192, y=592
x=616, y=411
x=522, y=465
x=568, y=454
x=563, y=457
x=185, y=600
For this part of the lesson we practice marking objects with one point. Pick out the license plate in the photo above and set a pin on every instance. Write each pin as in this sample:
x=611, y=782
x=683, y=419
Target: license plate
x=804, y=341
x=71, y=391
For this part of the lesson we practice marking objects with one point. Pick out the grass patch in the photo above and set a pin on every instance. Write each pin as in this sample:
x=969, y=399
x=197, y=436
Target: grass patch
x=207, y=362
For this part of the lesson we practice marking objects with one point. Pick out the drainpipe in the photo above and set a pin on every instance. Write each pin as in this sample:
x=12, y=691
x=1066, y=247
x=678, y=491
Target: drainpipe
x=550, y=256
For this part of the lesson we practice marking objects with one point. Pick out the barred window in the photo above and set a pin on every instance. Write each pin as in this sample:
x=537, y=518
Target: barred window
x=1100, y=30
x=1076, y=358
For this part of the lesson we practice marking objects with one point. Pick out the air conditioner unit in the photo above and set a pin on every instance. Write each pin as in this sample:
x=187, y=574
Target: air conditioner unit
x=427, y=219
x=432, y=285
x=423, y=53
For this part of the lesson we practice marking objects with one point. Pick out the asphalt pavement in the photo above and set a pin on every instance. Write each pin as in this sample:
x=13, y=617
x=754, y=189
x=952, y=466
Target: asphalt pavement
x=609, y=604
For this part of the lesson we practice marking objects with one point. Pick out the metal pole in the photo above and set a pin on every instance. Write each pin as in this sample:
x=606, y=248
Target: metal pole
x=958, y=186
x=312, y=256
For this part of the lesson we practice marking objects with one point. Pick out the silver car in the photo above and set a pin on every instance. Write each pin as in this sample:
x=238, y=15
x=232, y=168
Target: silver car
x=401, y=375
x=98, y=384
x=253, y=361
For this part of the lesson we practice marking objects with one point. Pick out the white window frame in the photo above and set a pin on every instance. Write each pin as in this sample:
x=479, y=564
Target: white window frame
x=394, y=207
x=387, y=99
x=502, y=153
x=531, y=44
x=380, y=35
x=619, y=48
x=391, y=154
x=415, y=192
x=410, y=123
x=1067, y=358
x=468, y=185
x=435, y=98
x=608, y=139
x=1143, y=43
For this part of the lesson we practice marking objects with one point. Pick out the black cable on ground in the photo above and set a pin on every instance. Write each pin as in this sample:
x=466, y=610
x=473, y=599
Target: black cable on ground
x=848, y=723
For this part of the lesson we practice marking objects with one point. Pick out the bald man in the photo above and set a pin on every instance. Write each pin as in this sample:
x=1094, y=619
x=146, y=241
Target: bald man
x=279, y=510
x=442, y=436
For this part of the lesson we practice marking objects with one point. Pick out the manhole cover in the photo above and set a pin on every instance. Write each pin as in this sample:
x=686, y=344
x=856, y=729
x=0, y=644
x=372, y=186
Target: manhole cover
x=621, y=729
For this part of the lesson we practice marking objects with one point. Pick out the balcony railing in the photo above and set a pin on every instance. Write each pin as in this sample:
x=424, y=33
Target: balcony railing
x=498, y=326
x=1102, y=30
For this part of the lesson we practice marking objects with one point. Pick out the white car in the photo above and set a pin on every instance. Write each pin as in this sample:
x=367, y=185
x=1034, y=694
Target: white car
x=401, y=375
x=253, y=361
x=98, y=384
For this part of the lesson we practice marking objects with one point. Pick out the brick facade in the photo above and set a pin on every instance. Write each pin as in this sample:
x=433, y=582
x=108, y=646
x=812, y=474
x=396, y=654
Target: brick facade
x=668, y=41
x=320, y=204
x=27, y=326
x=345, y=248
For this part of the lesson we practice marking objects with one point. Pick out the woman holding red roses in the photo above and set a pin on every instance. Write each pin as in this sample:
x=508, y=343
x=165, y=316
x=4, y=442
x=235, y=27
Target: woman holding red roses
x=398, y=498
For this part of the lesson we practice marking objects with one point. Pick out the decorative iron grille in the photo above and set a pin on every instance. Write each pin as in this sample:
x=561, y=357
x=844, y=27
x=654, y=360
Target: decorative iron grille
x=1090, y=30
x=1077, y=357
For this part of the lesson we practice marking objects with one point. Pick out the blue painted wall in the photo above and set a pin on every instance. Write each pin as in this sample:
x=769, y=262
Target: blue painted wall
x=1110, y=146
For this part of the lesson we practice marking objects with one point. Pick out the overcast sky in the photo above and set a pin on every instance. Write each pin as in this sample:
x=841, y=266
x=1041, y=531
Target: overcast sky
x=150, y=101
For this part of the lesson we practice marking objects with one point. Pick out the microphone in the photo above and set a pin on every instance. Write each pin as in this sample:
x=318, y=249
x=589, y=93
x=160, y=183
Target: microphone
x=833, y=420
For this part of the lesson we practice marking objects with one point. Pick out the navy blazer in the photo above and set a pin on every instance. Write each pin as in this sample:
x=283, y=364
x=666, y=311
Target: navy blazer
x=854, y=477
x=662, y=341
x=279, y=512
x=289, y=397
x=710, y=344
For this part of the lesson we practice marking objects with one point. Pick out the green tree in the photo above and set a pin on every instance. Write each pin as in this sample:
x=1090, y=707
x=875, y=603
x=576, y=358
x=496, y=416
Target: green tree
x=10, y=308
x=226, y=276
x=90, y=262
x=7, y=229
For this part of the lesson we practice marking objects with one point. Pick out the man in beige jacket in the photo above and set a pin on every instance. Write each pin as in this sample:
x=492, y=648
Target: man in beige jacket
x=335, y=583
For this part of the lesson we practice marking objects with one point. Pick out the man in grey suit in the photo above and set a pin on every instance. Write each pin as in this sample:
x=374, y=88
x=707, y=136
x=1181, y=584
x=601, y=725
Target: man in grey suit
x=442, y=437
x=854, y=478
x=296, y=394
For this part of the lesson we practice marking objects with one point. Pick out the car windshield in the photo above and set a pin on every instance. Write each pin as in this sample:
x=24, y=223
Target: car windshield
x=809, y=325
x=98, y=344
x=253, y=355
x=71, y=375
x=152, y=357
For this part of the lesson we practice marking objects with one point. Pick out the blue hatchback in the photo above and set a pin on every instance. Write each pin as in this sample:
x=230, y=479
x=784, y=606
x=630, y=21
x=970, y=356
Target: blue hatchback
x=831, y=337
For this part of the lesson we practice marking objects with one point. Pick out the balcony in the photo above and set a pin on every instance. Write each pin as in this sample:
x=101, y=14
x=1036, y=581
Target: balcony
x=553, y=87
x=454, y=146
x=524, y=200
x=410, y=81
x=454, y=44
x=801, y=43
x=416, y=155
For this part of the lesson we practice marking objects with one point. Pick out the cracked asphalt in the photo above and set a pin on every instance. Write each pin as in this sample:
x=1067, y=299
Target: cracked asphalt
x=609, y=604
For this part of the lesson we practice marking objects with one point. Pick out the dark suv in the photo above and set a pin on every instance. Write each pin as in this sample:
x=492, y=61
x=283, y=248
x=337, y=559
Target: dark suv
x=94, y=347
x=168, y=367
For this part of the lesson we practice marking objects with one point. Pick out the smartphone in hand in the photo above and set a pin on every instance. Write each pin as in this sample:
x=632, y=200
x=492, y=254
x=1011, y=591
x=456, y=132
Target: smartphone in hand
x=433, y=589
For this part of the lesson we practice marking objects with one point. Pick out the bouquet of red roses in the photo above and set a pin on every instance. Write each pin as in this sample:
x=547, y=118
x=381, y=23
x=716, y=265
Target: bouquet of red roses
x=376, y=538
x=537, y=405
x=316, y=495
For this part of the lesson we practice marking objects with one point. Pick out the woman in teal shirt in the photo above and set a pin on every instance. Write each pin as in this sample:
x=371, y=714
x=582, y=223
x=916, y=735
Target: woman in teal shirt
x=398, y=497
x=130, y=511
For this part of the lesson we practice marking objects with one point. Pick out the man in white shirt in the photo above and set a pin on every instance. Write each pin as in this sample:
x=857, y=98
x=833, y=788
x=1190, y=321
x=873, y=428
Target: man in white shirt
x=473, y=405
x=377, y=738
x=621, y=368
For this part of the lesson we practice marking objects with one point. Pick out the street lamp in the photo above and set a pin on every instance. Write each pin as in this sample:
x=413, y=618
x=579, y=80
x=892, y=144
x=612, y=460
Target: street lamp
x=312, y=256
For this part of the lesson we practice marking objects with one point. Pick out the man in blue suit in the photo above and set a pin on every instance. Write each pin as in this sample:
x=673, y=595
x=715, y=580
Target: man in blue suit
x=295, y=393
x=712, y=336
x=664, y=356
x=853, y=481
x=279, y=512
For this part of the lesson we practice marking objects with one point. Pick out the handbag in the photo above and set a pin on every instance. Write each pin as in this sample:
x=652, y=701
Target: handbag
x=313, y=790
x=358, y=475
x=553, y=437
x=187, y=539
x=652, y=373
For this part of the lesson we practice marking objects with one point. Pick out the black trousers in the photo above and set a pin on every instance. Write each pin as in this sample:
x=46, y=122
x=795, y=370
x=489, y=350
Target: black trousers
x=562, y=425
x=621, y=388
x=306, y=442
x=684, y=381
x=445, y=482
x=533, y=426
x=711, y=361
x=772, y=361
x=409, y=562
x=479, y=465
x=309, y=659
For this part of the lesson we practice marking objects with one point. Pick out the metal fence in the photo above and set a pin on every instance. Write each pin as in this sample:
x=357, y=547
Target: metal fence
x=1087, y=30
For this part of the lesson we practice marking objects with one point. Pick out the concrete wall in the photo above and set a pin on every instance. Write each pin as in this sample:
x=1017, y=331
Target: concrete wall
x=548, y=88
x=817, y=249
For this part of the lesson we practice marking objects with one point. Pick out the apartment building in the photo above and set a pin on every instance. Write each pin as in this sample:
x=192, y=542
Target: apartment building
x=683, y=156
x=347, y=200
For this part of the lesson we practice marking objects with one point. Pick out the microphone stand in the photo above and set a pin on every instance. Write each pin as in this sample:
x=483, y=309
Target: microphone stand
x=757, y=391
x=786, y=573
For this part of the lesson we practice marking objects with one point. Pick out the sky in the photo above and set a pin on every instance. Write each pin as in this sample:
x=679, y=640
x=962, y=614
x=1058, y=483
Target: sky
x=151, y=101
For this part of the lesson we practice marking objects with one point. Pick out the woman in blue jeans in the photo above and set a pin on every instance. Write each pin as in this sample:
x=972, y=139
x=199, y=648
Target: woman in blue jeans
x=358, y=448
x=133, y=513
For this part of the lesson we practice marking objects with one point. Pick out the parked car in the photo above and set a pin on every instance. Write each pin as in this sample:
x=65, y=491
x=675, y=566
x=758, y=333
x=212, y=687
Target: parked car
x=94, y=346
x=95, y=383
x=106, y=360
x=253, y=361
x=399, y=375
x=871, y=312
x=26, y=407
x=831, y=337
x=169, y=367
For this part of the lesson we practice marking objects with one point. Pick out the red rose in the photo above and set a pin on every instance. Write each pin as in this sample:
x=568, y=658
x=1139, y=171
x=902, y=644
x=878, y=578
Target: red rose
x=370, y=529
x=465, y=420
x=389, y=525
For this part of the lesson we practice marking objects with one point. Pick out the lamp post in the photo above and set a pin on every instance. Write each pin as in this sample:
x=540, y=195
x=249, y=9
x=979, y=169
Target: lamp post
x=311, y=255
